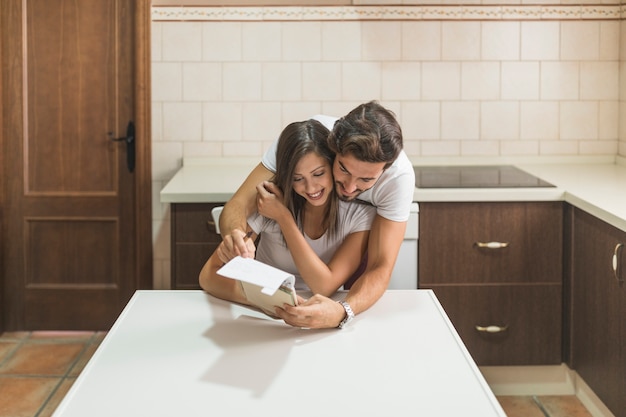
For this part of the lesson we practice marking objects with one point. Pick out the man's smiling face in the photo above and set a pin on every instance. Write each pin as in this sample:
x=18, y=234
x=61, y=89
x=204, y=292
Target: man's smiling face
x=353, y=176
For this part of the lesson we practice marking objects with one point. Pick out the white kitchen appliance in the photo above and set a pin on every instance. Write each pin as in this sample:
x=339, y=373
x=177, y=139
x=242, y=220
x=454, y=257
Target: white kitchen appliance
x=404, y=276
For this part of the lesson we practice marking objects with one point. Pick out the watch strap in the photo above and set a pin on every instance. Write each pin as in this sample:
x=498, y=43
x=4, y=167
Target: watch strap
x=349, y=314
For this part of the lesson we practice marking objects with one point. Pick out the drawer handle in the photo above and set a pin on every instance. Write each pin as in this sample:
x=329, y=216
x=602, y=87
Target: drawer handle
x=616, y=265
x=492, y=245
x=492, y=329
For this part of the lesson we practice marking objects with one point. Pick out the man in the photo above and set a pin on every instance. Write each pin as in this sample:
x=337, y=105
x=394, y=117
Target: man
x=371, y=166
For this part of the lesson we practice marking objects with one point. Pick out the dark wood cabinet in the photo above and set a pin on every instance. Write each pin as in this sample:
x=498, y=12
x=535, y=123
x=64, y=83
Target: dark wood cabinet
x=193, y=240
x=598, y=294
x=497, y=270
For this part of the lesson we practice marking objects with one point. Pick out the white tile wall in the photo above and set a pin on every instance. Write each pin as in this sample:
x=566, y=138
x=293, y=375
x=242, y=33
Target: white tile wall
x=492, y=88
x=461, y=41
x=540, y=41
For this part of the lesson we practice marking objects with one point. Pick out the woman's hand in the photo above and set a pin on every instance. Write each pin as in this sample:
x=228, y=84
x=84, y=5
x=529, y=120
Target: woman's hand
x=228, y=249
x=269, y=201
x=318, y=312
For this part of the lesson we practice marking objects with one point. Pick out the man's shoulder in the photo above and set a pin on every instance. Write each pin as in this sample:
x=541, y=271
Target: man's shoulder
x=402, y=166
x=394, y=189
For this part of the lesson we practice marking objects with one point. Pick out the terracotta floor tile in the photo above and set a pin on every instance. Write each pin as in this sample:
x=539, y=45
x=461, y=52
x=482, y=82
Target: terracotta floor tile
x=56, y=399
x=42, y=359
x=5, y=349
x=519, y=406
x=14, y=335
x=84, y=358
x=564, y=406
x=23, y=397
x=62, y=335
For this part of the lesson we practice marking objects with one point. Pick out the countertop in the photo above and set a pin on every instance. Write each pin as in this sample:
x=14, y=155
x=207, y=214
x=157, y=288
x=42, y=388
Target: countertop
x=185, y=353
x=596, y=187
x=207, y=180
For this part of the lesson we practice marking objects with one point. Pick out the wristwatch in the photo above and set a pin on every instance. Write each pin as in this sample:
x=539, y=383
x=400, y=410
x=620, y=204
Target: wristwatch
x=349, y=314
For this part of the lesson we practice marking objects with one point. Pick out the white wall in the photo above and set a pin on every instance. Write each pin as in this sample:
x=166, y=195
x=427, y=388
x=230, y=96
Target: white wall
x=472, y=81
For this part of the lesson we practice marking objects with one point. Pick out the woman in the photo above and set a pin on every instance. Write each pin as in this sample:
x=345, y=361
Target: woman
x=304, y=228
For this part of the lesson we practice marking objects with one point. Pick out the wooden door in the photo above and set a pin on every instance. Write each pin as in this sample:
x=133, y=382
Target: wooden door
x=76, y=221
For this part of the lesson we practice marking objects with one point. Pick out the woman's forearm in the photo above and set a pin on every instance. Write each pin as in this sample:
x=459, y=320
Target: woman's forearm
x=219, y=286
x=243, y=203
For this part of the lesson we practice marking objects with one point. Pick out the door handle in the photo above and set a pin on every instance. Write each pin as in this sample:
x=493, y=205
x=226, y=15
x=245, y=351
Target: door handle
x=130, y=145
x=492, y=245
x=492, y=328
x=615, y=262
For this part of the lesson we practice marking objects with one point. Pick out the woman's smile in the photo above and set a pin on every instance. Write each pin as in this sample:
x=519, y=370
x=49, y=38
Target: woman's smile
x=312, y=179
x=316, y=196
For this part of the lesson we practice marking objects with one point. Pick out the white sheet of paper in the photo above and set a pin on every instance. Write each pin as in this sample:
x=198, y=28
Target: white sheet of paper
x=255, y=272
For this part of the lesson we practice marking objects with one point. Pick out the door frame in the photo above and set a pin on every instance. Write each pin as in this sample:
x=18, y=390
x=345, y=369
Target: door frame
x=143, y=124
x=2, y=192
x=143, y=144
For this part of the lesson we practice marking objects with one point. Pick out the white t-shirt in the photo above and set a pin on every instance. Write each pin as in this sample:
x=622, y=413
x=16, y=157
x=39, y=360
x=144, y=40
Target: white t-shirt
x=272, y=249
x=392, y=194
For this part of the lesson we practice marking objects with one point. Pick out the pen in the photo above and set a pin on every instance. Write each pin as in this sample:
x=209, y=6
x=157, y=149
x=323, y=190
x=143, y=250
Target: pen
x=247, y=236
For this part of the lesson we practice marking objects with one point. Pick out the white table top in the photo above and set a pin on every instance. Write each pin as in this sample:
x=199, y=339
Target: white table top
x=185, y=353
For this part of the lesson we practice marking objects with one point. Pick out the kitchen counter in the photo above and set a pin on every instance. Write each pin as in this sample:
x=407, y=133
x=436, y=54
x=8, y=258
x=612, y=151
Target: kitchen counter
x=598, y=188
x=207, y=180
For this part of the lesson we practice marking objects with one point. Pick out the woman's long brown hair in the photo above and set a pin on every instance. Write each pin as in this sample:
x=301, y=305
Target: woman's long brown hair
x=297, y=140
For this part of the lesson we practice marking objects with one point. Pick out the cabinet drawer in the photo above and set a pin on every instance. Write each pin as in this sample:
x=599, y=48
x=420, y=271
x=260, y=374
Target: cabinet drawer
x=451, y=235
x=193, y=241
x=530, y=313
x=193, y=223
x=189, y=260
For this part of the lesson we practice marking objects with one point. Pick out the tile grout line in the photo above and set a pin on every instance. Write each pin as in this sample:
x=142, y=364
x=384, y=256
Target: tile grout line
x=45, y=402
x=65, y=376
x=22, y=342
x=537, y=401
x=10, y=355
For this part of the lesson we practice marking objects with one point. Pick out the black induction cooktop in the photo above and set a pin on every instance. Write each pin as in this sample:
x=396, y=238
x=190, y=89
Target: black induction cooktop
x=475, y=176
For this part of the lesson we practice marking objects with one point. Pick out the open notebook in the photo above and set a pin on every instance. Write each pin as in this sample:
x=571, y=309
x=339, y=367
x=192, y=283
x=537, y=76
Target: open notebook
x=263, y=285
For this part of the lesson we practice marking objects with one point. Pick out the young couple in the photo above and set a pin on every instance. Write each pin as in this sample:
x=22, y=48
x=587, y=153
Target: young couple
x=289, y=200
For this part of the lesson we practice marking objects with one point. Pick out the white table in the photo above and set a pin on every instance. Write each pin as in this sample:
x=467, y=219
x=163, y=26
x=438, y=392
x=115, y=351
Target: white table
x=184, y=353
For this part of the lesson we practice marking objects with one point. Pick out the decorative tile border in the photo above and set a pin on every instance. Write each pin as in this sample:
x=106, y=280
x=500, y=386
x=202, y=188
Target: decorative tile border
x=347, y=13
